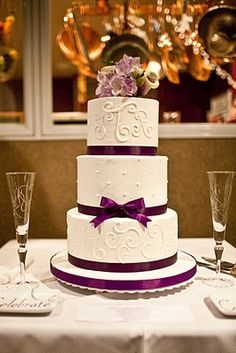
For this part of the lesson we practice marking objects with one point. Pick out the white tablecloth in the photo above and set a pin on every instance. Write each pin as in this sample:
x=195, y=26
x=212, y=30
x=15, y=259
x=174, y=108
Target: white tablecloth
x=185, y=319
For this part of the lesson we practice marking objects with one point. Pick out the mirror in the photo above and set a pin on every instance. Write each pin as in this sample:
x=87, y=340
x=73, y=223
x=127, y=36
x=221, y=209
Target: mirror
x=86, y=35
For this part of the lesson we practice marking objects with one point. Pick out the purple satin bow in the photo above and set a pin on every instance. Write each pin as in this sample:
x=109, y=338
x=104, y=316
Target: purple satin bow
x=133, y=209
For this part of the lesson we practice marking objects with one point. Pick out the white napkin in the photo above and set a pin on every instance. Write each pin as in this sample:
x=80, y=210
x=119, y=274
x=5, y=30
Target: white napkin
x=5, y=274
x=12, y=275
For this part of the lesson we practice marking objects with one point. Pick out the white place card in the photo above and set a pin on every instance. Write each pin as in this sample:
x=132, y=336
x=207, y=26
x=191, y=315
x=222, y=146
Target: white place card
x=25, y=306
x=16, y=301
x=226, y=305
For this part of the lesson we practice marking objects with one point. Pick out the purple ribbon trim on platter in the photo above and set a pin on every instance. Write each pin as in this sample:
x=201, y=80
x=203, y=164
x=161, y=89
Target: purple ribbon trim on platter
x=122, y=150
x=122, y=285
x=133, y=209
x=118, y=267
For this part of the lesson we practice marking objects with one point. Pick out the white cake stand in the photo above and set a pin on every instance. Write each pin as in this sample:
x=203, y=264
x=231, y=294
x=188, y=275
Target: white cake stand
x=178, y=274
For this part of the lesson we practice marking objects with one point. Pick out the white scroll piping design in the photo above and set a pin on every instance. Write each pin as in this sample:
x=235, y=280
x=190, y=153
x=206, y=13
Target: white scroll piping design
x=138, y=121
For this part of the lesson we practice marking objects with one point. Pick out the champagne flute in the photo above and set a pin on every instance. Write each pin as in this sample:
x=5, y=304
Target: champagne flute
x=20, y=185
x=220, y=183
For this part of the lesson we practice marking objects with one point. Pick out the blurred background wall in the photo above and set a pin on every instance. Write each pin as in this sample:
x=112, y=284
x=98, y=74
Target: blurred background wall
x=55, y=187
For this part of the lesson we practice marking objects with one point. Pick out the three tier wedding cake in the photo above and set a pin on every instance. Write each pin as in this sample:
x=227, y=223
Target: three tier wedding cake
x=122, y=236
x=122, y=222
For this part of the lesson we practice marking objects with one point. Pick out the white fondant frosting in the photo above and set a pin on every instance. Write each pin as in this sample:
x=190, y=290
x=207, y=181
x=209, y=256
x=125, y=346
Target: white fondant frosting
x=122, y=240
x=122, y=178
x=120, y=121
x=123, y=121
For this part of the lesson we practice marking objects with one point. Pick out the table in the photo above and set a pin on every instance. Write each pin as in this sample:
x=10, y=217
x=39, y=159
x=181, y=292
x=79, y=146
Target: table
x=186, y=320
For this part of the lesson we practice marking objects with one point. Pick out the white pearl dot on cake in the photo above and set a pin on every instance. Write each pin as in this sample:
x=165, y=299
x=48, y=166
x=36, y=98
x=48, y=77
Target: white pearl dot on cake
x=97, y=196
x=124, y=194
x=97, y=171
x=108, y=182
x=138, y=184
x=124, y=172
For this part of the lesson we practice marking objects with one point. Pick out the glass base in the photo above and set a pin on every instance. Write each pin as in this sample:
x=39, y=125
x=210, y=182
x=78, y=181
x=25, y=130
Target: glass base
x=218, y=282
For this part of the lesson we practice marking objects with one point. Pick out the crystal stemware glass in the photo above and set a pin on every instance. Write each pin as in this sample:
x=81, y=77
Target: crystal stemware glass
x=220, y=183
x=20, y=186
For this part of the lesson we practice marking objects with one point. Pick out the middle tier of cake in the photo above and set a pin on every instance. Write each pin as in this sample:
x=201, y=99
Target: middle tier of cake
x=122, y=179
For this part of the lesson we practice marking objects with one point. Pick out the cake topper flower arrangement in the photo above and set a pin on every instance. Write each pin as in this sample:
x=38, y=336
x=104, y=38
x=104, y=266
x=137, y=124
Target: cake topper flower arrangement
x=125, y=78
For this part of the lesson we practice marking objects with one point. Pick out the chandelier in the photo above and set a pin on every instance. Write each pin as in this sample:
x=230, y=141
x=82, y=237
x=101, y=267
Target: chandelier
x=170, y=37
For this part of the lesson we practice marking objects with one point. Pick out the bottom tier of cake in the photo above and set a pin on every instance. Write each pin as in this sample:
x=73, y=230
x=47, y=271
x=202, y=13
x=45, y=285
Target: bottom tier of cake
x=122, y=244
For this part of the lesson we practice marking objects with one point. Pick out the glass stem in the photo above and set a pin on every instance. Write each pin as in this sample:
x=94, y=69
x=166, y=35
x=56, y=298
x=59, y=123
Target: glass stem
x=218, y=253
x=22, y=251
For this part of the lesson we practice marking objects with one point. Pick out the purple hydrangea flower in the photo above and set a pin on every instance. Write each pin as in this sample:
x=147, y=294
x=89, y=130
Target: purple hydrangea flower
x=116, y=84
x=129, y=87
x=125, y=78
x=127, y=65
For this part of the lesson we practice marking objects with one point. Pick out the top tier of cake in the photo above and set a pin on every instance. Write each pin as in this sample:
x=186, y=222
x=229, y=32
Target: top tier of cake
x=123, y=121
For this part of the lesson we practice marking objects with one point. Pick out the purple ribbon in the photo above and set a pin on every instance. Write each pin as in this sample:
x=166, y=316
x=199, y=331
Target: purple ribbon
x=126, y=285
x=122, y=267
x=132, y=209
x=122, y=150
